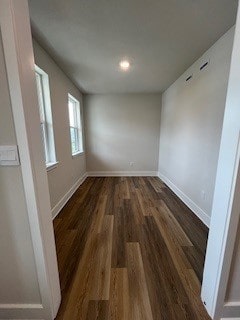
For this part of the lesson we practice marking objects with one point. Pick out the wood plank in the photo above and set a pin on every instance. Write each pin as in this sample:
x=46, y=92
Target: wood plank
x=77, y=304
x=64, y=249
x=102, y=265
x=130, y=225
x=119, y=239
x=192, y=226
x=110, y=192
x=137, y=210
x=196, y=260
x=98, y=310
x=119, y=293
x=140, y=308
x=144, y=202
x=192, y=288
x=124, y=189
x=156, y=183
x=167, y=293
x=166, y=219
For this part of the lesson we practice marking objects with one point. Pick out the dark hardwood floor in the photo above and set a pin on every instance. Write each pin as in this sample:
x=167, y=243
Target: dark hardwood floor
x=129, y=249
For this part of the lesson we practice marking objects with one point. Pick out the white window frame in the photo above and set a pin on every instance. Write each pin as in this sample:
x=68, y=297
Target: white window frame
x=76, y=126
x=46, y=122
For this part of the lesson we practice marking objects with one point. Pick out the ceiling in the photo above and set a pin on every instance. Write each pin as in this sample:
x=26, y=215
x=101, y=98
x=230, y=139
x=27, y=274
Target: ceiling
x=161, y=38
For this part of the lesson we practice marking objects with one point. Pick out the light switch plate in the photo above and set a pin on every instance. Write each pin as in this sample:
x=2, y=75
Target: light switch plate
x=9, y=156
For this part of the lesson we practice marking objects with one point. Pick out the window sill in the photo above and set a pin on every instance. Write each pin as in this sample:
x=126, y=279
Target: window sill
x=51, y=165
x=77, y=154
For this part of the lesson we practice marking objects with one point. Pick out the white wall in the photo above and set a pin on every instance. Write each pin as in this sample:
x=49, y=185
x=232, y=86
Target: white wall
x=70, y=169
x=191, y=125
x=18, y=278
x=121, y=129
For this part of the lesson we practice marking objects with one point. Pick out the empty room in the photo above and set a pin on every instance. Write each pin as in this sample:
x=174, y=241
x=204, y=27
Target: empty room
x=119, y=159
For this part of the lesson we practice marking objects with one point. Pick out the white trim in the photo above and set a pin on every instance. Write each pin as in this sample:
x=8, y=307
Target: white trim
x=231, y=310
x=20, y=306
x=203, y=216
x=122, y=174
x=51, y=165
x=228, y=231
x=17, y=45
x=79, y=153
x=21, y=311
x=61, y=203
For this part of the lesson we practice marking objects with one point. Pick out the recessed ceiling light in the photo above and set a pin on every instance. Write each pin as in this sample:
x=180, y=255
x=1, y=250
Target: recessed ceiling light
x=124, y=65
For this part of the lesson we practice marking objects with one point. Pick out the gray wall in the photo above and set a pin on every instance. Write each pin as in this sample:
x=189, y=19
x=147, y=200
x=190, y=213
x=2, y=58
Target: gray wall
x=121, y=129
x=233, y=293
x=69, y=168
x=191, y=125
x=18, y=278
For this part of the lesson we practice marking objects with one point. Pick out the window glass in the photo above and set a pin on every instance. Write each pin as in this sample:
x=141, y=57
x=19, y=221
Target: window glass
x=75, y=123
x=45, y=116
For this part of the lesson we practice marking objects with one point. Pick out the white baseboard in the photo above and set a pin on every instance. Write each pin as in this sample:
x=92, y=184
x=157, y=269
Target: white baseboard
x=61, y=203
x=202, y=215
x=122, y=173
x=21, y=311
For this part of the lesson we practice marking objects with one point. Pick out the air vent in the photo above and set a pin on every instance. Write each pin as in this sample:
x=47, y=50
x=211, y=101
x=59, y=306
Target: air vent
x=204, y=66
x=189, y=78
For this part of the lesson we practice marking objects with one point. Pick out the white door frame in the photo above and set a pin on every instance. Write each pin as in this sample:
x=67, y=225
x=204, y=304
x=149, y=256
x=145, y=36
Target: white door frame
x=19, y=59
x=226, y=202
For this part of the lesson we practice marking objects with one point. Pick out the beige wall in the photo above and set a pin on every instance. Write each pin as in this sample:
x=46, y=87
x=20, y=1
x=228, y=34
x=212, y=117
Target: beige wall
x=18, y=278
x=69, y=168
x=121, y=129
x=191, y=125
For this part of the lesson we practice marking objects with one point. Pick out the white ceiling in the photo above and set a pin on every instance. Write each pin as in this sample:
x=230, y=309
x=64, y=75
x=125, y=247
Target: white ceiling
x=161, y=38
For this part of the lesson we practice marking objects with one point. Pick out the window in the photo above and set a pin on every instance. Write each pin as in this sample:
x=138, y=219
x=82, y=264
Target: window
x=45, y=117
x=75, y=123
